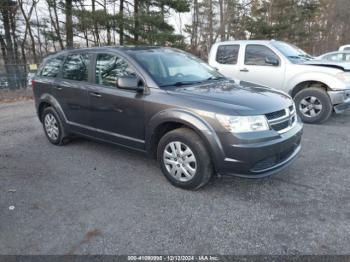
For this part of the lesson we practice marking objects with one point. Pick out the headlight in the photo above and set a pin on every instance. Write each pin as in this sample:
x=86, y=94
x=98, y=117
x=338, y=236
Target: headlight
x=343, y=76
x=242, y=124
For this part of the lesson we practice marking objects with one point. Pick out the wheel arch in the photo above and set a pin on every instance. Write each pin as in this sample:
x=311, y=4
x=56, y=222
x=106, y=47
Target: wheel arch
x=47, y=100
x=307, y=84
x=169, y=120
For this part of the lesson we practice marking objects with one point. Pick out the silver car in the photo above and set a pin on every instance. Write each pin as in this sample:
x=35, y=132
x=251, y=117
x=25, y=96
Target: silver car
x=344, y=48
x=318, y=87
x=340, y=57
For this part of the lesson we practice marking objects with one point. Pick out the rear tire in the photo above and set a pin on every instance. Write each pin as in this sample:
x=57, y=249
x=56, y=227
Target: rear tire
x=313, y=105
x=53, y=127
x=184, y=159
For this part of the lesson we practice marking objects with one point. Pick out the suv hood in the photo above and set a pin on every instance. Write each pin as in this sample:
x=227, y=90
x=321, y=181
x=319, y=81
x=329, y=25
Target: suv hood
x=341, y=66
x=228, y=96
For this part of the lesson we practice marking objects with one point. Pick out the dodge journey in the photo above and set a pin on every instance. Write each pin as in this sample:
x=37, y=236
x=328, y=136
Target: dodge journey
x=170, y=105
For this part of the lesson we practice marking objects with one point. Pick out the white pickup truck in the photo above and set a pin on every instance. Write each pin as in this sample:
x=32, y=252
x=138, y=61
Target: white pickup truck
x=318, y=87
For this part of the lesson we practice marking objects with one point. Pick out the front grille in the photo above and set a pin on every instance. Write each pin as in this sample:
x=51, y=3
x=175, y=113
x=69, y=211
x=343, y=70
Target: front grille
x=291, y=108
x=273, y=160
x=283, y=119
x=274, y=115
x=280, y=126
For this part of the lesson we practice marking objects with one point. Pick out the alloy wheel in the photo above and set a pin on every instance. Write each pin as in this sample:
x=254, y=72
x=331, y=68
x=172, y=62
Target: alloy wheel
x=310, y=106
x=51, y=126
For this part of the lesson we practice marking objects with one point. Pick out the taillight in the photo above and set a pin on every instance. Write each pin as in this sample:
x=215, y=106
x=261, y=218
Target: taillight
x=33, y=83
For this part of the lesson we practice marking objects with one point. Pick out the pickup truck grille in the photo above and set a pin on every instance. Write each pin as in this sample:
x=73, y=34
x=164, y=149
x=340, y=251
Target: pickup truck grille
x=282, y=120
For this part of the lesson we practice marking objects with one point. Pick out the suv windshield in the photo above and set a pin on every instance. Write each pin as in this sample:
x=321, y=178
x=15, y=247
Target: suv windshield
x=170, y=67
x=293, y=53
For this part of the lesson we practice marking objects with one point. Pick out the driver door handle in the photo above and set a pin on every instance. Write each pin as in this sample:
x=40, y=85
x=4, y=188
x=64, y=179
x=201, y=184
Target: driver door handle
x=245, y=70
x=95, y=94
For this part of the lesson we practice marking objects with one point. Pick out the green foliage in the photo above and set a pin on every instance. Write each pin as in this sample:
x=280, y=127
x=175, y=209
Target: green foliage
x=152, y=17
x=288, y=20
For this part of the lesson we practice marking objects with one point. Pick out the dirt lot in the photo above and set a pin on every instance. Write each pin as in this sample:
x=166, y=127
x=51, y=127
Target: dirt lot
x=91, y=198
x=8, y=96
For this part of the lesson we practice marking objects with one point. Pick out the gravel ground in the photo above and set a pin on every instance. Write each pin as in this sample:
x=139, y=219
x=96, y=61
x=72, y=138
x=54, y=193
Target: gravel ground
x=93, y=198
x=8, y=96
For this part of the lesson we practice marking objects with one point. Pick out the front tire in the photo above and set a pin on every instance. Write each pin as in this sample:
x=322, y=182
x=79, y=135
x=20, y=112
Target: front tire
x=313, y=105
x=53, y=127
x=184, y=159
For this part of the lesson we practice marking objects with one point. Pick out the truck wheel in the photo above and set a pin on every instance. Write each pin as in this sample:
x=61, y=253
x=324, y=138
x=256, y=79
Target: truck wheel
x=313, y=105
x=53, y=127
x=184, y=159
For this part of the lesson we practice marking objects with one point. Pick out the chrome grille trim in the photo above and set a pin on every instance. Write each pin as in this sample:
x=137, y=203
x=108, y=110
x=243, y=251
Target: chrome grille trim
x=289, y=116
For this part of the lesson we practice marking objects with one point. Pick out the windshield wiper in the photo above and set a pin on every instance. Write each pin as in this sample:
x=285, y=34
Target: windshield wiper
x=295, y=57
x=304, y=57
x=215, y=78
x=181, y=83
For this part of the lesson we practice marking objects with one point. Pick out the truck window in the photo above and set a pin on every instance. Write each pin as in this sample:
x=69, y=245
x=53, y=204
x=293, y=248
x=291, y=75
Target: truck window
x=257, y=55
x=227, y=54
x=76, y=67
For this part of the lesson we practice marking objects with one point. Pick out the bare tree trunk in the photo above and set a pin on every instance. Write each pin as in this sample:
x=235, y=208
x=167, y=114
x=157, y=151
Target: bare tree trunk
x=121, y=22
x=69, y=24
x=14, y=37
x=55, y=21
x=27, y=21
x=38, y=32
x=97, y=36
x=108, y=27
x=194, y=31
x=222, y=22
x=210, y=18
x=7, y=48
x=23, y=50
x=136, y=20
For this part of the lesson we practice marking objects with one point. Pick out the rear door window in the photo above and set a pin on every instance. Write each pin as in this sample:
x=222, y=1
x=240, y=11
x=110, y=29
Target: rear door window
x=257, y=55
x=227, y=54
x=52, y=67
x=76, y=67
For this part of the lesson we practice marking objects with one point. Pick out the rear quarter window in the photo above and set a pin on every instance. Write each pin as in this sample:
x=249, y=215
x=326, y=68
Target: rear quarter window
x=52, y=67
x=227, y=54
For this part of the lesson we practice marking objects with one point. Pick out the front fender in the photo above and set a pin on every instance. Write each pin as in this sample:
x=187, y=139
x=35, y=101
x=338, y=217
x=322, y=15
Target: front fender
x=329, y=80
x=191, y=120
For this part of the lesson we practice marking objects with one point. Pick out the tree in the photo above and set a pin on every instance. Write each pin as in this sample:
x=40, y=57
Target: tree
x=121, y=22
x=69, y=23
x=28, y=27
x=8, y=44
x=54, y=20
x=96, y=33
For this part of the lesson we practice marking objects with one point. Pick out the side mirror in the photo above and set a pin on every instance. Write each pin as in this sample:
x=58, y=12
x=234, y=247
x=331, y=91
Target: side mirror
x=270, y=60
x=129, y=83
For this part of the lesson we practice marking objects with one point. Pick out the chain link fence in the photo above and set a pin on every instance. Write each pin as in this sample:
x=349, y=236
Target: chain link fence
x=16, y=76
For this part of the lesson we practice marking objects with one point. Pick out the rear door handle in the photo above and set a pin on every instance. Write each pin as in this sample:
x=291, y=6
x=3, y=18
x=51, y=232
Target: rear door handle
x=95, y=94
x=58, y=87
x=245, y=70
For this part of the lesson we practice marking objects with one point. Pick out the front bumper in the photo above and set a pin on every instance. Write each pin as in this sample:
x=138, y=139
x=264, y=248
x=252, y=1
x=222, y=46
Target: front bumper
x=261, y=156
x=340, y=100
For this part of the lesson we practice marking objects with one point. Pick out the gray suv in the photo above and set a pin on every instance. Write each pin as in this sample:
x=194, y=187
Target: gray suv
x=171, y=105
